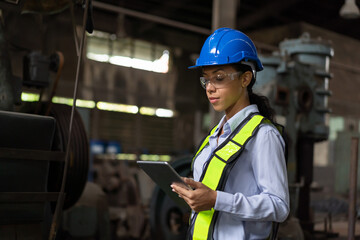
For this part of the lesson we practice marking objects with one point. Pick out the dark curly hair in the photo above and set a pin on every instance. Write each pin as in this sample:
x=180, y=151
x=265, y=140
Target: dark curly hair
x=262, y=102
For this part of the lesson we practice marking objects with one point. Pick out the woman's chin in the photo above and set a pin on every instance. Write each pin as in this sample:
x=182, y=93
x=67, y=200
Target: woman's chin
x=218, y=108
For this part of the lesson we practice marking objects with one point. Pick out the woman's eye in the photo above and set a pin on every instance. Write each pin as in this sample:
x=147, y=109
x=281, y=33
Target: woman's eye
x=220, y=77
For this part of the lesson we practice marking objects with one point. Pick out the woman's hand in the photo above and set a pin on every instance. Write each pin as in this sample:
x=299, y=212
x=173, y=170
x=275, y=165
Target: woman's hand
x=200, y=199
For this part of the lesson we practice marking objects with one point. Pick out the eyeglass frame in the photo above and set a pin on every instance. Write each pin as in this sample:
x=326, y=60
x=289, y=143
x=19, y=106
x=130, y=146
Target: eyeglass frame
x=204, y=82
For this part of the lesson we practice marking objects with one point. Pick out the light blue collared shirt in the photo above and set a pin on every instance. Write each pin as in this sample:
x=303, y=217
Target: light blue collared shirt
x=256, y=191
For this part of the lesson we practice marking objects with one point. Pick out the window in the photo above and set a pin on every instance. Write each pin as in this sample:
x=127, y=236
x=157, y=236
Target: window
x=128, y=52
x=335, y=124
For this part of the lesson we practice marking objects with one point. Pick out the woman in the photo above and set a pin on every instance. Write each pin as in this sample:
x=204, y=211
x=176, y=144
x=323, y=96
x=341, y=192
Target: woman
x=240, y=182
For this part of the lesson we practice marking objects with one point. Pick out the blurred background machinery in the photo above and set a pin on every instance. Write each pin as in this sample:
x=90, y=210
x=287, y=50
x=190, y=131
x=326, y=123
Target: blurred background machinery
x=32, y=160
x=34, y=139
x=295, y=80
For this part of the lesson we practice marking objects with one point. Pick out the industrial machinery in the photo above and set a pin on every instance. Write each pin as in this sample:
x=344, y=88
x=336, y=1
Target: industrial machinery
x=33, y=142
x=32, y=158
x=295, y=79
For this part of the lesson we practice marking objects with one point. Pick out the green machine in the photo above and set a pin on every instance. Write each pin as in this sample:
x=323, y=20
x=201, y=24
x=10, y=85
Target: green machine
x=295, y=79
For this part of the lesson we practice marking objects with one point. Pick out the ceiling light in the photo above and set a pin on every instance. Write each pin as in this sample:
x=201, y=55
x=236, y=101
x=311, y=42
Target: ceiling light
x=349, y=10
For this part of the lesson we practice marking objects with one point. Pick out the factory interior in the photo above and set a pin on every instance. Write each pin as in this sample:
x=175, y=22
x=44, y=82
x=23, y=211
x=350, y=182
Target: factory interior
x=88, y=87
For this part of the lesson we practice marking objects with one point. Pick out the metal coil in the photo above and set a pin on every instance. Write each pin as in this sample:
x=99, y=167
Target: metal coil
x=79, y=155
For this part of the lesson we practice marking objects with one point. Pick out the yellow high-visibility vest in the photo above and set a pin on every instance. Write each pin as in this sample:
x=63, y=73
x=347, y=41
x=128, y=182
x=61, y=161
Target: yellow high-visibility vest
x=222, y=159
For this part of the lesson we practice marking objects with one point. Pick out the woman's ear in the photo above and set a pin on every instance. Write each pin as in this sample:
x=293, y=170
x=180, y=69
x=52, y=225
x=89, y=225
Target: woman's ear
x=246, y=78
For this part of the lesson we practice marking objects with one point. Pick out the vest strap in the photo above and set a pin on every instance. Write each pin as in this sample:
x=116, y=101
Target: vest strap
x=205, y=141
x=213, y=174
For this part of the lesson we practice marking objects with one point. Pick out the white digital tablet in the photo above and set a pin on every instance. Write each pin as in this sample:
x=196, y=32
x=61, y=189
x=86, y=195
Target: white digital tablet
x=164, y=175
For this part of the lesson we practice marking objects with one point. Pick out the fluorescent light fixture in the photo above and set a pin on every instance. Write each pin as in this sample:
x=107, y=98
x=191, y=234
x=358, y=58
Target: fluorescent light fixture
x=121, y=61
x=69, y=101
x=142, y=64
x=127, y=52
x=161, y=112
x=98, y=57
x=154, y=157
x=62, y=100
x=160, y=65
x=30, y=97
x=117, y=107
x=85, y=103
x=349, y=10
x=147, y=111
x=34, y=97
x=165, y=158
x=148, y=157
x=125, y=156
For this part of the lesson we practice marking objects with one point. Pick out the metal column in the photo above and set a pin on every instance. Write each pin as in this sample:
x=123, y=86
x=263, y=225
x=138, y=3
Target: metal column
x=223, y=15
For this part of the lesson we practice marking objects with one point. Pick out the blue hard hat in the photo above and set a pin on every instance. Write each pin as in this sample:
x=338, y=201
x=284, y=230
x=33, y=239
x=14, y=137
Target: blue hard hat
x=228, y=46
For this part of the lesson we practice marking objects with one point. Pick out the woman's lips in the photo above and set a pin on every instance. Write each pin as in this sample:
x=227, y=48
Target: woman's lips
x=213, y=100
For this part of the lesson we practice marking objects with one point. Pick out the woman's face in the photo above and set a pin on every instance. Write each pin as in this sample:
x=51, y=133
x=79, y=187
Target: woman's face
x=226, y=88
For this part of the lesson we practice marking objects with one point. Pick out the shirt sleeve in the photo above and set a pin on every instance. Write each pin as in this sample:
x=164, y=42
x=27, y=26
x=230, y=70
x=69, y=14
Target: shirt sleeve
x=271, y=203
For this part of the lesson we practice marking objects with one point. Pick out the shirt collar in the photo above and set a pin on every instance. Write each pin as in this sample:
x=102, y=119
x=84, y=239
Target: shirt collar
x=230, y=125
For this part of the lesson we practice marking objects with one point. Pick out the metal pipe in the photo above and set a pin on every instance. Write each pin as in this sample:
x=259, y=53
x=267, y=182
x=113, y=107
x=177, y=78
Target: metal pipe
x=224, y=13
x=305, y=162
x=150, y=17
x=353, y=187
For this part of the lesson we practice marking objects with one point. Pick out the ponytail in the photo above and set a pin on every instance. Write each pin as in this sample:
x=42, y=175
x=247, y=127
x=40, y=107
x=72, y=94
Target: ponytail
x=263, y=105
x=262, y=102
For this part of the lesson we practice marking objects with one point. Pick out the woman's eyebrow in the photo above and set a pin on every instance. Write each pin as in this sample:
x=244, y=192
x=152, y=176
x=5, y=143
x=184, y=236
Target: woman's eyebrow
x=215, y=71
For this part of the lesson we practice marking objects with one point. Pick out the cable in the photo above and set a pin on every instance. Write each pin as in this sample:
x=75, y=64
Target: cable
x=61, y=198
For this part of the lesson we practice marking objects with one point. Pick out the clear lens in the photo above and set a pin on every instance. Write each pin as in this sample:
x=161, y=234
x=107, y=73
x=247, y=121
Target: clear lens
x=203, y=82
x=220, y=80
